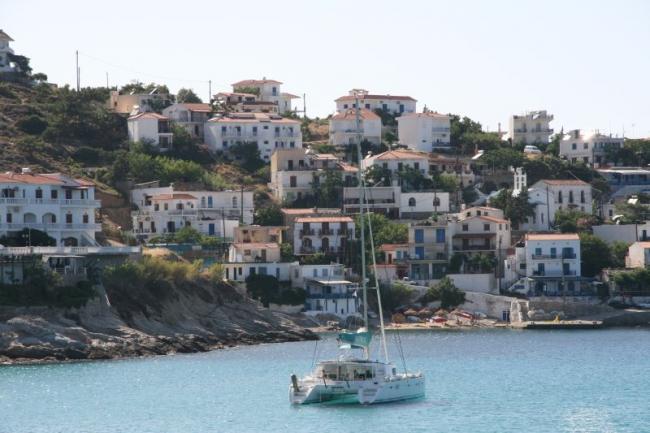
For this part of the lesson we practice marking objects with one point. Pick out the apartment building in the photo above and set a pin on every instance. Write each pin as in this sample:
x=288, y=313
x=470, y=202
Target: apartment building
x=151, y=128
x=266, y=91
x=61, y=206
x=394, y=203
x=480, y=230
x=392, y=104
x=258, y=234
x=530, y=128
x=296, y=172
x=190, y=116
x=428, y=250
x=588, y=147
x=268, y=131
x=344, y=132
x=548, y=264
x=134, y=103
x=325, y=234
x=6, y=51
x=331, y=296
x=550, y=195
x=244, y=103
x=163, y=210
x=424, y=132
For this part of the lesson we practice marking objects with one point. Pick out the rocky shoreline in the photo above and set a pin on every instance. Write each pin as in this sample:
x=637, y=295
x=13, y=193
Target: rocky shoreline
x=188, y=322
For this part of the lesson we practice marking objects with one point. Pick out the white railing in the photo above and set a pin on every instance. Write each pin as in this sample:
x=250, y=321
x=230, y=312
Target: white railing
x=79, y=251
x=53, y=226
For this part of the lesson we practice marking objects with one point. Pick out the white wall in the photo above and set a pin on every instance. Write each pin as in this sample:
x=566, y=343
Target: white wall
x=484, y=283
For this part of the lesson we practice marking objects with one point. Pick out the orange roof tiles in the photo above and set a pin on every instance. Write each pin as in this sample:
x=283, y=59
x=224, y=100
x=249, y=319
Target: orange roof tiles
x=552, y=236
x=198, y=107
x=380, y=97
x=174, y=196
x=308, y=211
x=243, y=245
x=392, y=247
x=352, y=115
x=401, y=154
x=44, y=179
x=329, y=219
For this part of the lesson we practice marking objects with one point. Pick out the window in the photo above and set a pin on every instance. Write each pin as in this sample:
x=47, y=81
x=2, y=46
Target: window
x=559, y=196
x=582, y=196
x=440, y=236
x=465, y=227
x=570, y=196
x=166, y=206
x=585, y=146
x=368, y=106
x=86, y=219
x=419, y=252
x=234, y=201
x=39, y=193
x=68, y=218
x=553, y=252
x=486, y=227
x=416, y=165
x=411, y=202
x=54, y=194
x=419, y=236
x=225, y=143
x=574, y=146
x=68, y=194
x=156, y=207
x=538, y=251
x=9, y=218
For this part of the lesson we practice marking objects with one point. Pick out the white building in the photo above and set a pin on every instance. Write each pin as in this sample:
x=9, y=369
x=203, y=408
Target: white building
x=268, y=131
x=136, y=102
x=267, y=90
x=480, y=230
x=61, y=206
x=343, y=127
x=300, y=274
x=163, y=210
x=589, y=147
x=397, y=160
x=6, y=65
x=331, y=296
x=550, y=195
x=244, y=103
x=327, y=234
x=151, y=128
x=638, y=255
x=254, y=252
x=389, y=103
x=530, y=128
x=547, y=265
x=296, y=172
x=392, y=202
x=192, y=117
x=424, y=132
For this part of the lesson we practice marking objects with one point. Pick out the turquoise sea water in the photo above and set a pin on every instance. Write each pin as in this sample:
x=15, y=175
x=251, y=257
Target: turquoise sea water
x=477, y=381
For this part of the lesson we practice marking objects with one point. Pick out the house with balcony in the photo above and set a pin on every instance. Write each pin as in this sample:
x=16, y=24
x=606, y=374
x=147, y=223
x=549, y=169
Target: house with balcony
x=296, y=172
x=190, y=116
x=266, y=91
x=258, y=234
x=301, y=273
x=394, y=203
x=392, y=262
x=530, y=128
x=344, y=132
x=325, y=234
x=428, y=250
x=244, y=103
x=589, y=147
x=151, y=128
x=268, y=131
x=550, y=195
x=134, y=103
x=424, y=132
x=331, y=296
x=547, y=264
x=6, y=53
x=626, y=181
x=256, y=258
x=393, y=104
x=163, y=210
x=61, y=206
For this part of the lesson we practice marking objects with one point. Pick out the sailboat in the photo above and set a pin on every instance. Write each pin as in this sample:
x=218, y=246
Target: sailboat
x=352, y=378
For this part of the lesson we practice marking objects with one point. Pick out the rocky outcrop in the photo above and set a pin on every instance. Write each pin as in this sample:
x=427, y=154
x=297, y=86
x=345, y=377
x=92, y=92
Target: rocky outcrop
x=193, y=320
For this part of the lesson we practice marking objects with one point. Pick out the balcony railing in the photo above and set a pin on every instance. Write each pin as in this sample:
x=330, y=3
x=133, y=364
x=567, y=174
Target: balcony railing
x=325, y=232
x=53, y=226
x=64, y=202
x=68, y=250
x=474, y=247
x=11, y=200
x=553, y=273
x=330, y=295
x=309, y=232
x=554, y=256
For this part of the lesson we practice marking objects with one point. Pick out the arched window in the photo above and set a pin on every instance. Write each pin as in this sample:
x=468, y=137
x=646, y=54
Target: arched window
x=234, y=201
x=412, y=201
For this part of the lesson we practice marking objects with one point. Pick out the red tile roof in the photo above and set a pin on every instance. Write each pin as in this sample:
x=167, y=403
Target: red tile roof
x=148, y=115
x=309, y=211
x=329, y=219
x=352, y=115
x=245, y=83
x=392, y=247
x=564, y=182
x=253, y=118
x=174, y=196
x=400, y=154
x=198, y=107
x=244, y=245
x=380, y=97
x=552, y=236
x=44, y=179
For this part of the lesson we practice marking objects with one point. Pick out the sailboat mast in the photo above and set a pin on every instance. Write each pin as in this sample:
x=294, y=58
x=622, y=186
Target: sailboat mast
x=357, y=93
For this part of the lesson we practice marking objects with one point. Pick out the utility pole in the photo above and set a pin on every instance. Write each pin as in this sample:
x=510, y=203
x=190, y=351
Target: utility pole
x=304, y=105
x=107, y=86
x=209, y=91
x=77, y=68
x=241, y=214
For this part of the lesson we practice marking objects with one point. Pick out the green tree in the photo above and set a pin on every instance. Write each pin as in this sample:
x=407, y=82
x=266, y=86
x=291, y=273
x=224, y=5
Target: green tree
x=413, y=180
x=268, y=216
x=286, y=251
x=446, y=182
x=459, y=127
x=502, y=158
x=573, y=220
x=249, y=90
x=595, y=254
x=264, y=288
x=247, y=156
x=396, y=295
x=446, y=292
x=328, y=190
x=619, y=251
x=187, y=235
x=187, y=96
x=516, y=209
x=378, y=176
x=633, y=213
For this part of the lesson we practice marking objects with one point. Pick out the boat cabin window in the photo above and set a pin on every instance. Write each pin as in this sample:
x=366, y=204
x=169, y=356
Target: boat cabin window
x=345, y=372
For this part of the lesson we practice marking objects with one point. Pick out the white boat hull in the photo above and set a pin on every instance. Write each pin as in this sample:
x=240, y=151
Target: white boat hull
x=397, y=388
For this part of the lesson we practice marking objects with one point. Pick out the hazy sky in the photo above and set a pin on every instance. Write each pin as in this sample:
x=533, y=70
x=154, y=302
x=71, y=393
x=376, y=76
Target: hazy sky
x=587, y=62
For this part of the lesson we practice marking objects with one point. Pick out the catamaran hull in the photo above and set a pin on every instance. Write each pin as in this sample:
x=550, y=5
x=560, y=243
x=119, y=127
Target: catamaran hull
x=359, y=393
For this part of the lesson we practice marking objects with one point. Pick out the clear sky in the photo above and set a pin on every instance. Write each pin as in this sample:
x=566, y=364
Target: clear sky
x=587, y=62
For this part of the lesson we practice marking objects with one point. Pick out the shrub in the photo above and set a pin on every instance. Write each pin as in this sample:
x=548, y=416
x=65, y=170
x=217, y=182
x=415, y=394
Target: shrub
x=265, y=288
x=33, y=125
x=6, y=92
